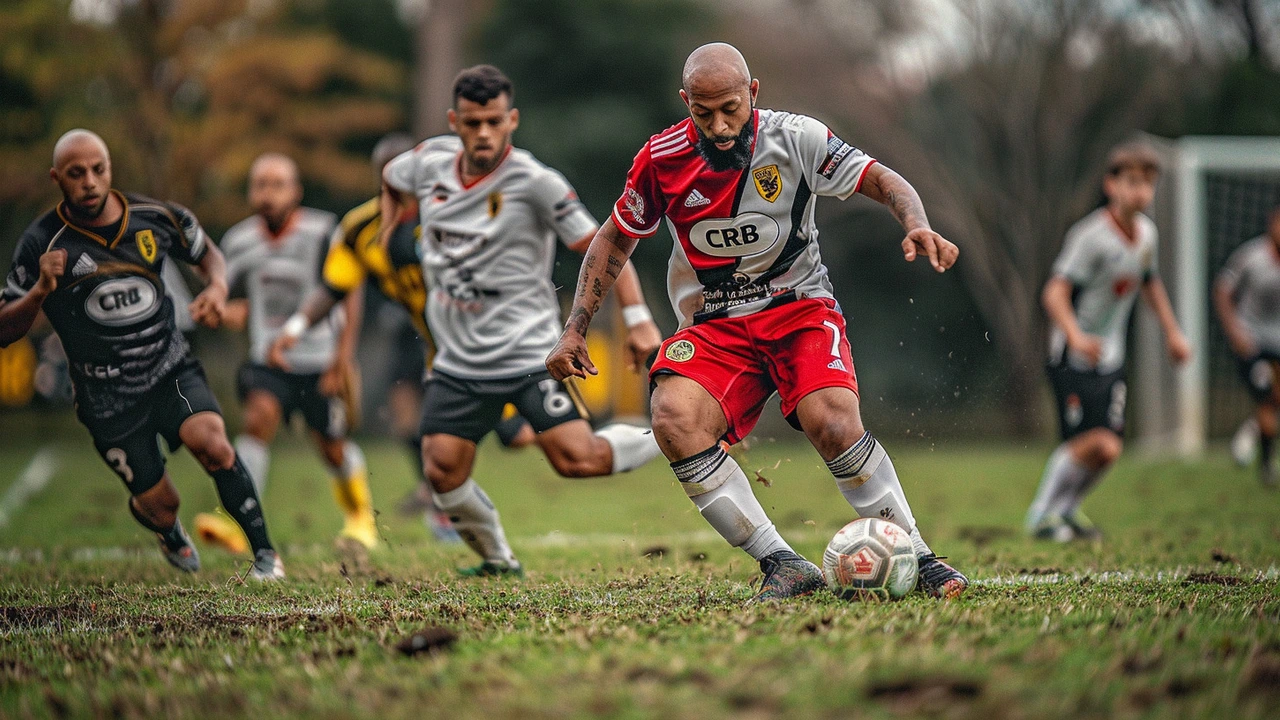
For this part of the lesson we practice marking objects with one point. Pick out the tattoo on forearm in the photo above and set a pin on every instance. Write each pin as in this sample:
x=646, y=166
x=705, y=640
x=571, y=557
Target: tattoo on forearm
x=905, y=205
x=579, y=320
x=597, y=288
x=614, y=267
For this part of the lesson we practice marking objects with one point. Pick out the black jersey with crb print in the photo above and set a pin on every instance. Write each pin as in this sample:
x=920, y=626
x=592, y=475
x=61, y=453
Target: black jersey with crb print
x=110, y=308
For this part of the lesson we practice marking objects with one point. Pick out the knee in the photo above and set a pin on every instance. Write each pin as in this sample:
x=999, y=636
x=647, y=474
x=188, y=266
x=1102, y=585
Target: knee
x=159, y=504
x=830, y=421
x=332, y=450
x=673, y=423
x=215, y=453
x=262, y=415
x=1103, y=449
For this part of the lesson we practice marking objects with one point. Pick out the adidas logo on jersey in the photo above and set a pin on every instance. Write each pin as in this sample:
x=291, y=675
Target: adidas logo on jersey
x=696, y=199
x=83, y=266
x=837, y=364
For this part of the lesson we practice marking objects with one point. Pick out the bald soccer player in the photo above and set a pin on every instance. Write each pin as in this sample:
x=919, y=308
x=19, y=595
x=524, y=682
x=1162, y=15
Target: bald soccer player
x=757, y=315
x=273, y=262
x=491, y=215
x=94, y=265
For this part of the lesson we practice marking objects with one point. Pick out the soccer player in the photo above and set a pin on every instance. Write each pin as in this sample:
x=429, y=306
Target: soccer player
x=757, y=315
x=276, y=256
x=93, y=264
x=490, y=216
x=354, y=254
x=1246, y=296
x=1107, y=259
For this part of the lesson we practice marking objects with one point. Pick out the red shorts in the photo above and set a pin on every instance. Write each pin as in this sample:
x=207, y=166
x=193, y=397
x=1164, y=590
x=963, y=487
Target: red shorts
x=793, y=349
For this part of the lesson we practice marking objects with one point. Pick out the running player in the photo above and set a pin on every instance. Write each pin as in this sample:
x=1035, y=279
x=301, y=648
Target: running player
x=356, y=253
x=94, y=265
x=490, y=216
x=275, y=258
x=757, y=315
x=1106, y=259
x=1247, y=298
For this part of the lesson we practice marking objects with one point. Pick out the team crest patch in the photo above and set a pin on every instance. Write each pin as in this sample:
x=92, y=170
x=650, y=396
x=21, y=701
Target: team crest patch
x=768, y=182
x=635, y=205
x=680, y=351
x=495, y=204
x=146, y=245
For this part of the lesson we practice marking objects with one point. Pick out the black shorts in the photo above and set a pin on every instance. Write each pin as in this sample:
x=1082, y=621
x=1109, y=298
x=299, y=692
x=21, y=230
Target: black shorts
x=1088, y=400
x=1258, y=373
x=296, y=392
x=127, y=442
x=469, y=409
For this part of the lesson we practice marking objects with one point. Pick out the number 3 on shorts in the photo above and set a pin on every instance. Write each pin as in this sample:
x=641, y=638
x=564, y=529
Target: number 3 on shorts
x=120, y=463
x=554, y=399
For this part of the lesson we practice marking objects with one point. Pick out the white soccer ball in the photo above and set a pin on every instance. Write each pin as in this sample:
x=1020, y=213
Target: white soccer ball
x=870, y=559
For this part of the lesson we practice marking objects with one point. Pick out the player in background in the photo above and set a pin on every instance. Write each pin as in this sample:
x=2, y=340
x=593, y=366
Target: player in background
x=737, y=187
x=356, y=253
x=490, y=217
x=1246, y=296
x=1107, y=258
x=94, y=264
x=274, y=258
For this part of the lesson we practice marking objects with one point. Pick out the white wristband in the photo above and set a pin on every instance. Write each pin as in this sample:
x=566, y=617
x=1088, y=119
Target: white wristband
x=295, y=326
x=634, y=315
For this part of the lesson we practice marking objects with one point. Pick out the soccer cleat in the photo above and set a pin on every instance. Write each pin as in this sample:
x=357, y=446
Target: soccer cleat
x=939, y=579
x=441, y=527
x=493, y=569
x=1244, y=444
x=185, y=558
x=361, y=528
x=267, y=566
x=1055, y=528
x=221, y=531
x=1082, y=528
x=787, y=575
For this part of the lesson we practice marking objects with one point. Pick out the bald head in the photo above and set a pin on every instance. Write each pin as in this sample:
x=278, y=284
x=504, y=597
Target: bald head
x=275, y=188
x=714, y=67
x=82, y=170
x=76, y=142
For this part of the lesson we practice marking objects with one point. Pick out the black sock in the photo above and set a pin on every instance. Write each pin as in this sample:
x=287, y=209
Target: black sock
x=415, y=452
x=240, y=498
x=172, y=536
x=1266, y=450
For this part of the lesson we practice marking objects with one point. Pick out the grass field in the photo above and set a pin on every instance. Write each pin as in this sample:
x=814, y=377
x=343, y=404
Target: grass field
x=632, y=608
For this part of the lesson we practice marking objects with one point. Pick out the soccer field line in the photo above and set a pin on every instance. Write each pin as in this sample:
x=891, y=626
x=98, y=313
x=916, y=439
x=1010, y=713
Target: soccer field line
x=34, y=477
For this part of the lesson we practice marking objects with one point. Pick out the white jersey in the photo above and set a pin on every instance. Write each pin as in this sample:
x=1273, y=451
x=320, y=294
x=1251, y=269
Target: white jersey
x=487, y=253
x=276, y=273
x=1106, y=269
x=745, y=239
x=1252, y=275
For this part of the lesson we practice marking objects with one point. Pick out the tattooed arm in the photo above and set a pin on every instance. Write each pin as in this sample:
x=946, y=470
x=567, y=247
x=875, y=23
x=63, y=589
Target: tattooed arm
x=605, y=264
x=891, y=190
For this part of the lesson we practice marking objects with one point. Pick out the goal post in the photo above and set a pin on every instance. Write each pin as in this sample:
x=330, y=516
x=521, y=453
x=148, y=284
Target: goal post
x=1215, y=194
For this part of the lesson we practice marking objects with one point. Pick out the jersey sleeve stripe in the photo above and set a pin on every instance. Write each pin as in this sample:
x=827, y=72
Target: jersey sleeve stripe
x=664, y=143
x=861, y=176
x=669, y=151
x=622, y=225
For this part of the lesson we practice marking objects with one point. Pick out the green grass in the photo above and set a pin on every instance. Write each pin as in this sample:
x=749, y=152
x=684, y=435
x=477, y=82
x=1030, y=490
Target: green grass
x=632, y=609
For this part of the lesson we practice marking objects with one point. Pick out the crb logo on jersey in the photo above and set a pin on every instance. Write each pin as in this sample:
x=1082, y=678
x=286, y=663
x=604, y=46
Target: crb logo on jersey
x=749, y=233
x=122, y=301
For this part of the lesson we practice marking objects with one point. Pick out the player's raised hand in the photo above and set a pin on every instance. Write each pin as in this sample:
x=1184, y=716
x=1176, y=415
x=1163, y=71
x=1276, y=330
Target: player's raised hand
x=52, y=265
x=276, y=353
x=941, y=252
x=569, y=357
x=643, y=340
x=210, y=305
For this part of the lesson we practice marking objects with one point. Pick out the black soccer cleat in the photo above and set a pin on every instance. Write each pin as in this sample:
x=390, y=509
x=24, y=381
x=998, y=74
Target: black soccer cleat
x=492, y=569
x=938, y=579
x=1081, y=526
x=787, y=575
x=185, y=557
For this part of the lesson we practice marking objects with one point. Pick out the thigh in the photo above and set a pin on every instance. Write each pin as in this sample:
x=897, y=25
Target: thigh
x=546, y=402
x=253, y=377
x=1258, y=374
x=451, y=406
x=719, y=356
x=186, y=394
x=807, y=350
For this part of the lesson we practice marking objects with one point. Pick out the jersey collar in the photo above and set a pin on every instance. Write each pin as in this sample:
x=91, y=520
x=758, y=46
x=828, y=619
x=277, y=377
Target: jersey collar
x=65, y=217
x=457, y=169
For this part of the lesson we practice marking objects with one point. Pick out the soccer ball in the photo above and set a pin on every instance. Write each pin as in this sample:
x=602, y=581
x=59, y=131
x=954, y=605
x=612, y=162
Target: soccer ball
x=870, y=559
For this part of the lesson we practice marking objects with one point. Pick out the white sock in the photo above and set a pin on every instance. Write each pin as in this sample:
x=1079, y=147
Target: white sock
x=632, y=446
x=1062, y=478
x=722, y=493
x=353, y=461
x=256, y=457
x=1091, y=480
x=476, y=520
x=867, y=479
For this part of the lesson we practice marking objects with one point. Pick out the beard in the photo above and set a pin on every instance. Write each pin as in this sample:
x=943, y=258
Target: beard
x=84, y=212
x=737, y=157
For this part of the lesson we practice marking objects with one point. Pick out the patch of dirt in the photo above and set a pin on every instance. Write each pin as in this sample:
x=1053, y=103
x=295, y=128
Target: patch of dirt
x=34, y=616
x=433, y=640
x=981, y=535
x=1038, y=571
x=1213, y=578
x=924, y=694
x=1219, y=556
x=1262, y=674
x=655, y=551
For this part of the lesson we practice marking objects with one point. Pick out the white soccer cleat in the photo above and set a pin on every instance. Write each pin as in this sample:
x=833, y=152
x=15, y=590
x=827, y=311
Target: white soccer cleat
x=267, y=566
x=1244, y=444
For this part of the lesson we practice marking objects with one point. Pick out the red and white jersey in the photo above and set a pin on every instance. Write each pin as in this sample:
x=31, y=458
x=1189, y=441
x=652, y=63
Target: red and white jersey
x=745, y=239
